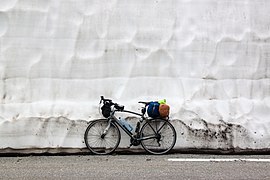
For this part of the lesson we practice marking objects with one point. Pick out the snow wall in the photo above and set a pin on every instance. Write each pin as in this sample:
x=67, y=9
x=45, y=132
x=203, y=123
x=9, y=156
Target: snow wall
x=210, y=59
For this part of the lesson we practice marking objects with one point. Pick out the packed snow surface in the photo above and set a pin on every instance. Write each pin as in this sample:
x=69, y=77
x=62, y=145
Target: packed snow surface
x=210, y=59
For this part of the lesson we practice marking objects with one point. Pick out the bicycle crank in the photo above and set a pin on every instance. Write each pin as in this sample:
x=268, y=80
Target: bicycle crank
x=134, y=141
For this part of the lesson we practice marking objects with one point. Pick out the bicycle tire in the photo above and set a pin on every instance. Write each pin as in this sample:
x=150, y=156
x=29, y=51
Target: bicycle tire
x=102, y=145
x=165, y=136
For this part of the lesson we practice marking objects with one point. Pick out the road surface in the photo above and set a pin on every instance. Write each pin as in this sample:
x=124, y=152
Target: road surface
x=136, y=166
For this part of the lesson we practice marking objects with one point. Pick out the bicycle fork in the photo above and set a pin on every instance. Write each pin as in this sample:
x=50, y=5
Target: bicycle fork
x=106, y=129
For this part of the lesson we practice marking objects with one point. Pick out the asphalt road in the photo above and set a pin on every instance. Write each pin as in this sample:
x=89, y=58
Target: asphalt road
x=134, y=167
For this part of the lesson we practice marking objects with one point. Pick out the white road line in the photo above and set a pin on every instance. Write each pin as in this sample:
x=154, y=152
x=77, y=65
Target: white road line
x=219, y=160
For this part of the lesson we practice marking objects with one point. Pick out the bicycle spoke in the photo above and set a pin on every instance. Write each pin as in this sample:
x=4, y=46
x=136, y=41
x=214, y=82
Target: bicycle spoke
x=161, y=127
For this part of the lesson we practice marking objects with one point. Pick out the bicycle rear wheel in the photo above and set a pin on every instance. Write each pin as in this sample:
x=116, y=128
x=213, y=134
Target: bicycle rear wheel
x=158, y=136
x=95, y=140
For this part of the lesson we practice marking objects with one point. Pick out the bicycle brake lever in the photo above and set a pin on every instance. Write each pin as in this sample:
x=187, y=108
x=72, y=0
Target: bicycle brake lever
x=101, y=99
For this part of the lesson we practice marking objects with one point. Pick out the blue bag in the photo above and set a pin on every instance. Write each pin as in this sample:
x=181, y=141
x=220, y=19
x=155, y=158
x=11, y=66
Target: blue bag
x=153, y=109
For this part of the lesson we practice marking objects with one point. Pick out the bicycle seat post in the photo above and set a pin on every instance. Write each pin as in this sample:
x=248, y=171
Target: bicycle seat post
x=138, y=126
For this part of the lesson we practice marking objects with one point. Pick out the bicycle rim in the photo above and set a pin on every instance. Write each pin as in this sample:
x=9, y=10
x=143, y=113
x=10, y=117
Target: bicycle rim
x=162, y=136
x=98, y=144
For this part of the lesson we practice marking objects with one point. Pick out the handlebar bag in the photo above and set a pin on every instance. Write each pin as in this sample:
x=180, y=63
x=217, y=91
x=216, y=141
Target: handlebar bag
x=106, y=110
x=153, y=109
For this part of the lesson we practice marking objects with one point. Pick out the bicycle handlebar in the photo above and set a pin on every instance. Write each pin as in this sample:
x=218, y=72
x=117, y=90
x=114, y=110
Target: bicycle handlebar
x=103, y=99
x=117, y=106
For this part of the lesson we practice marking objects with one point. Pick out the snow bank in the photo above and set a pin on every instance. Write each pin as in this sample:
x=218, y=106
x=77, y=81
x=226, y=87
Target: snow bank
x=210, y=60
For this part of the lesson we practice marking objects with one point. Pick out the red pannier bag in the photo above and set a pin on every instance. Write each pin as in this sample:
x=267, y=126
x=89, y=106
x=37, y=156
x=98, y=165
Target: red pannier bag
x=164, y=110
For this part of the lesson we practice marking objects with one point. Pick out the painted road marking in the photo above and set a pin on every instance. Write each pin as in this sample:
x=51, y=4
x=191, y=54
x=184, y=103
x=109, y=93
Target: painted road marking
x=219, y=160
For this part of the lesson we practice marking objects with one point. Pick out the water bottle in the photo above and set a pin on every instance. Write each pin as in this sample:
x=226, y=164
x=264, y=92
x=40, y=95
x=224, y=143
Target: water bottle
x=125, y=124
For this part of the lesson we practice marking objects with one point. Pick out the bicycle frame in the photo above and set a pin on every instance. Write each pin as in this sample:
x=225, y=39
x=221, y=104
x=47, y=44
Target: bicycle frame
x=114, y=119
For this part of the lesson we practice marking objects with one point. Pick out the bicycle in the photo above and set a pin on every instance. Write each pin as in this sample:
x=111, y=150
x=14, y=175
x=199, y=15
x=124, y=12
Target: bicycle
x=102, y=136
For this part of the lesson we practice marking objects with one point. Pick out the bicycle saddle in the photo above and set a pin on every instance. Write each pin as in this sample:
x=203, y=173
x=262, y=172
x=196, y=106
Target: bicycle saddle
x=142, y=102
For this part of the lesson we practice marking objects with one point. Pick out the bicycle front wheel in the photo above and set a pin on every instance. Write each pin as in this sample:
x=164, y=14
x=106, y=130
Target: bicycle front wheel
x=158, y=136
x=98, y=142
